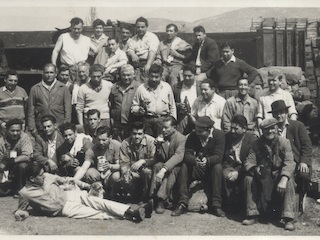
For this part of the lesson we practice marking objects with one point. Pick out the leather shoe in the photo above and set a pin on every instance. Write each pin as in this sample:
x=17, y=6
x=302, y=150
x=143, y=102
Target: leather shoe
x=181, y=209
x=148, y=208
x=289, y=226
x=160, y=207
x=218, y=212
x=249, y=221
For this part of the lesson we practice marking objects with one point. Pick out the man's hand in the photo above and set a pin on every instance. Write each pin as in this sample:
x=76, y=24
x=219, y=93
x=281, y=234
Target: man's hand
x=21, y=215
x=2, y=167
x=66, y=158
x=137, y=165
x=174, y=53
x=281, y=188
x=303, y=167
x=146, y=68
x=160, y=175
x=52, y=165
x=257, y=171
x=135, y=59
x=74, y=163
x=232, y=176
x=201, y=163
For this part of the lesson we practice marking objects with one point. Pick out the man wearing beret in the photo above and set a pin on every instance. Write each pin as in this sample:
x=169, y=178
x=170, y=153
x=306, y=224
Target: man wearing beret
x=270, y=166
x=202, y=161
x=297, y=134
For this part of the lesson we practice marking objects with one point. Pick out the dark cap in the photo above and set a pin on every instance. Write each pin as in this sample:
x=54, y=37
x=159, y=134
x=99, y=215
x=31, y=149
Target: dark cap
x=278, y=105
x=204, y=122
x=267, y=123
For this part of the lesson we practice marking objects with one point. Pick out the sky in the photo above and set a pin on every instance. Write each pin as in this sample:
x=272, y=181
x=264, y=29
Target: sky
x=39, y=15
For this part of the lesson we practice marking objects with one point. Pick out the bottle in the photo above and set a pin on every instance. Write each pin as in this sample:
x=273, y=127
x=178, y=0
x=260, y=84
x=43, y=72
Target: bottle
x=187, y=105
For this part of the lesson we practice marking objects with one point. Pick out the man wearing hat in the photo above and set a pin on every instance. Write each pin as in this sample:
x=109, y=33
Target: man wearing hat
x=275, y=93
x=297, y=134
x=202, y=161
x=270, y=166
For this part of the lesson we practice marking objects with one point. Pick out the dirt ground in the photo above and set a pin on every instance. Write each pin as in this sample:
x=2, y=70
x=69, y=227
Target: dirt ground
x=307, y=224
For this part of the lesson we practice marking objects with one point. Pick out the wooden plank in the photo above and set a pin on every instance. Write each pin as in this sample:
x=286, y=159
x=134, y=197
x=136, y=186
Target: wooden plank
x=290, y=54
x=269, y=47
x=280, y=49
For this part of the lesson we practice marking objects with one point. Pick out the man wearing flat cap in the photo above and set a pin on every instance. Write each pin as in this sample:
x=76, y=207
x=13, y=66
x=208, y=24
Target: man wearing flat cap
x=270, y=166
x=297, y=134
x=273, y=94
x=202, y=161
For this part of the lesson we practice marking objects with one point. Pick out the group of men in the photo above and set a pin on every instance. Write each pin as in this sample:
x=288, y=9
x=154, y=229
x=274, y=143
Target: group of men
x=148, y=119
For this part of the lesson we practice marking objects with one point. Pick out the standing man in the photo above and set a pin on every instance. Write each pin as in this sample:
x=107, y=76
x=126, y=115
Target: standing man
x=296, y=133
x=72, y=152
x=48, y=97
x=270, y=166
x=208, y=104
x=73, y=47
x=173, y=53
x=47, y=143
x=202, y=161
x=94, y=94
x=64, y=75
x=205, y=53
x=185, y=93
x=121, y=97
x=228, y=70
x=241, y=104
x=142, y=49
x=13, y=100
x=108, y=172
x=275, y=93
x=98, y=38
x=126, y=34
x=153, y=100
x=15, y=153
x=168, y=158
x=136, y=162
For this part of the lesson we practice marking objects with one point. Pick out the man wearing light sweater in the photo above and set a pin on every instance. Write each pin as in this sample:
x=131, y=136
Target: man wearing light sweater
x=94, y=94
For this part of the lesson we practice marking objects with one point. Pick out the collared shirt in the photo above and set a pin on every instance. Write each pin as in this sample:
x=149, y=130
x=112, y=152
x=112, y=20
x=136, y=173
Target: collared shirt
x=159, y=101
x=283, y=131
x=213, y=109
x=205, y=142
x=99, y=42
x=190, y=93
x=111, y=153
x=235, y=106
x=130, y=154
x=124, y=46
x=268, y=98
x=232, y=59
x=116, y=57
x=198, y=59
x=121, y=100
x=52, y=146
x=142, y=46
x=48, y=87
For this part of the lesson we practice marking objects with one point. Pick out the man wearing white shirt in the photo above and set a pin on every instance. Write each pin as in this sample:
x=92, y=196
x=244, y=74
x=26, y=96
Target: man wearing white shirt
x=117, y=57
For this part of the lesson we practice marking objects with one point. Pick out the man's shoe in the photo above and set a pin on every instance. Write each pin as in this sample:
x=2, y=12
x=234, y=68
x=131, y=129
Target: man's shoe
x=148, y=208
x=218, y=212
x=289, y=226
x=160, y=207
x=249, y=221
x=139, y=214
x=181, y=209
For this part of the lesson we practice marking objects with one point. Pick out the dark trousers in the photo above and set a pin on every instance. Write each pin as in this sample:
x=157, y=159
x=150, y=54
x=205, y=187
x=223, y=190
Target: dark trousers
x=17, y=173
x=211, y=177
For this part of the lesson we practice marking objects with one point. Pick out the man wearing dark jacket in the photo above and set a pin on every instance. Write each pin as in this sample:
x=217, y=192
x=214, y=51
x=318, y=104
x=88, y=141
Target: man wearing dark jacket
x=205, y=52
x=202, y=161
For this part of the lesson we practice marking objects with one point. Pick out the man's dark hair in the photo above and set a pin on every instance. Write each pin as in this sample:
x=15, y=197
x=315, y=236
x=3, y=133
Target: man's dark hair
x=33, y=169
x=14, y=121
x=66, y=126
x=11, y=72
x=210, y=82
x=142, y=19
x=172, y=25
x=113, y=38
x=63, y=68
x=199, y=29
x=48, y=117
x=240, y=120
x=240, y=79
x=92, y=112
x=96, y=68
x=170, y=119
x=138, y=125
x=103, y=130
x=50, y=65
x=189, y=67
x=98, y=22
x=126, y=26
x=155, y=68
x=76, y=21
x=227, y=45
